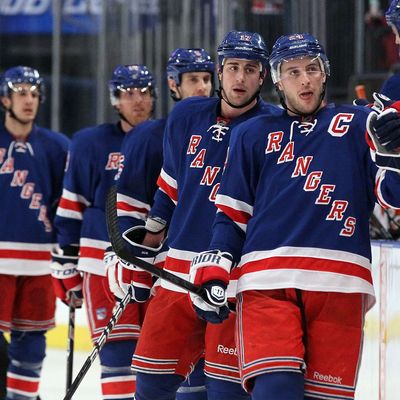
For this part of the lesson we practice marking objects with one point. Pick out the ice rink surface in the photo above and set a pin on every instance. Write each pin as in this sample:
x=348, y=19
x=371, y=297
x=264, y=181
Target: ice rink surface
x=54, y=377
x=52, y=386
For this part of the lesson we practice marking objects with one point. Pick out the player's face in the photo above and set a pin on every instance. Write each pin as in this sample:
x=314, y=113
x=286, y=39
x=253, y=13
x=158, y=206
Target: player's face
x=302, y=83
x=136, y=105
x=24, y=102
x=195, y=84
x=240, y=80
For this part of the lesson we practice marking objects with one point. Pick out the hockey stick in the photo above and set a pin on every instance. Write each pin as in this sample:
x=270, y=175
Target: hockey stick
x=382, y=230
x=99, y=344
x=122, y=252
x=71, y=342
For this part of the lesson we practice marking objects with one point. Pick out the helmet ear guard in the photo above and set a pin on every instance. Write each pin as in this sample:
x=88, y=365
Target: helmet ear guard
x=126, y=77
x=19, y=75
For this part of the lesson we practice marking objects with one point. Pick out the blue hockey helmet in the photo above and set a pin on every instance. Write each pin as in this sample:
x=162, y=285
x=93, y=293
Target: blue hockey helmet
x=21, y=74
x=242, y=44
x=184, y=60
x=393, y=14
x=125, y=77
x=297, y=45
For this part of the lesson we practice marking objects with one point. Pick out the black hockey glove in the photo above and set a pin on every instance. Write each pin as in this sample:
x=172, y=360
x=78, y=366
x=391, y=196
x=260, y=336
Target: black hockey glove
x=211, y=271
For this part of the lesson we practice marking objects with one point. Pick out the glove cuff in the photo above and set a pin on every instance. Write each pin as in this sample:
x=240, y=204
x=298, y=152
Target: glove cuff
x=395, y=106
x=135, y=235
x=211, y=266
x=155, y=224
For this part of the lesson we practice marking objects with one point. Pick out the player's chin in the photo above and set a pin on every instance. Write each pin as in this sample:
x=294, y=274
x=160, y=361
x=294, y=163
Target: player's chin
x=240, y=100
x=307, y=107
x=139, y=119
x=27, y=119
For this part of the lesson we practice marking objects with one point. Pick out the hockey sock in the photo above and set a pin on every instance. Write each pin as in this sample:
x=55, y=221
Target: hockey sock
x=218, y=389
x=3, y=365
x=26, y=353
x=279, y=386
x=194, y=387
x=118, y=381
x=155, y=386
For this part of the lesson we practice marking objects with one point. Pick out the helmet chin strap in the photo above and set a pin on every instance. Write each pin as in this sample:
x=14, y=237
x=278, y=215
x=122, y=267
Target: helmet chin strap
x=122, y=116
x=173, y=95
x=220, y=92
x=296, y=112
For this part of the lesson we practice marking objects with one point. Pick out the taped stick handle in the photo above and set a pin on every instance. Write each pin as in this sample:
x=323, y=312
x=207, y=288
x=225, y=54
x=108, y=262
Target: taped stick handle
x=118, y=244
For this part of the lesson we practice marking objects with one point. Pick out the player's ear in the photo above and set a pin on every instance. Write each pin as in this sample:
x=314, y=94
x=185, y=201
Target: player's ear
x=262, y=77
x=5, y=101
x=171, y=84
x=219, y=71
x=173, y=87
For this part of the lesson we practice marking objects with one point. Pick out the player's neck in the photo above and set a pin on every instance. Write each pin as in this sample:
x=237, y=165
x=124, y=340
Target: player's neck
x=229, y=112
x=125, y=126
x=18, y=130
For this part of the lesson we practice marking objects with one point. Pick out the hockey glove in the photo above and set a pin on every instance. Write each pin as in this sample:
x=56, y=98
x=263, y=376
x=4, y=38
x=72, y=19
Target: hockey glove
x=211, y=270
x=109, y=260
x=67, y=281
x=122, y=275
x=384, y=133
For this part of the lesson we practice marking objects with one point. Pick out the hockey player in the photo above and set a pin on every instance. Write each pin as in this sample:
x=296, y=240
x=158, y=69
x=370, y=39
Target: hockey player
x=190, y=73
x=82, y=234
x=195, y=146
x=32, y=163
x=294, y=206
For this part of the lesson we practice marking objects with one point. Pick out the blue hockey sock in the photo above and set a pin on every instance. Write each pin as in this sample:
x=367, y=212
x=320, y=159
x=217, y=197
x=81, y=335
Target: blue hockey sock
x=155, y=386
x=118, y=381
x=218, y=389
x=26, y=353
x=279, y=386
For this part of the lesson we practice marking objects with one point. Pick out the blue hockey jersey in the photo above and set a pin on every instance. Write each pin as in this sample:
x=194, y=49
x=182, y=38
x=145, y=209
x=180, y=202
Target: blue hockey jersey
x=295, y=201
x=142, y=152
x=31, y=173
x=94, y=159
x=391, y=87
x=195, y=149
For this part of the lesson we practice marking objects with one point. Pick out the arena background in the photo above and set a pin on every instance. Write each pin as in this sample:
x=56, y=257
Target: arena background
x=75, y=44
